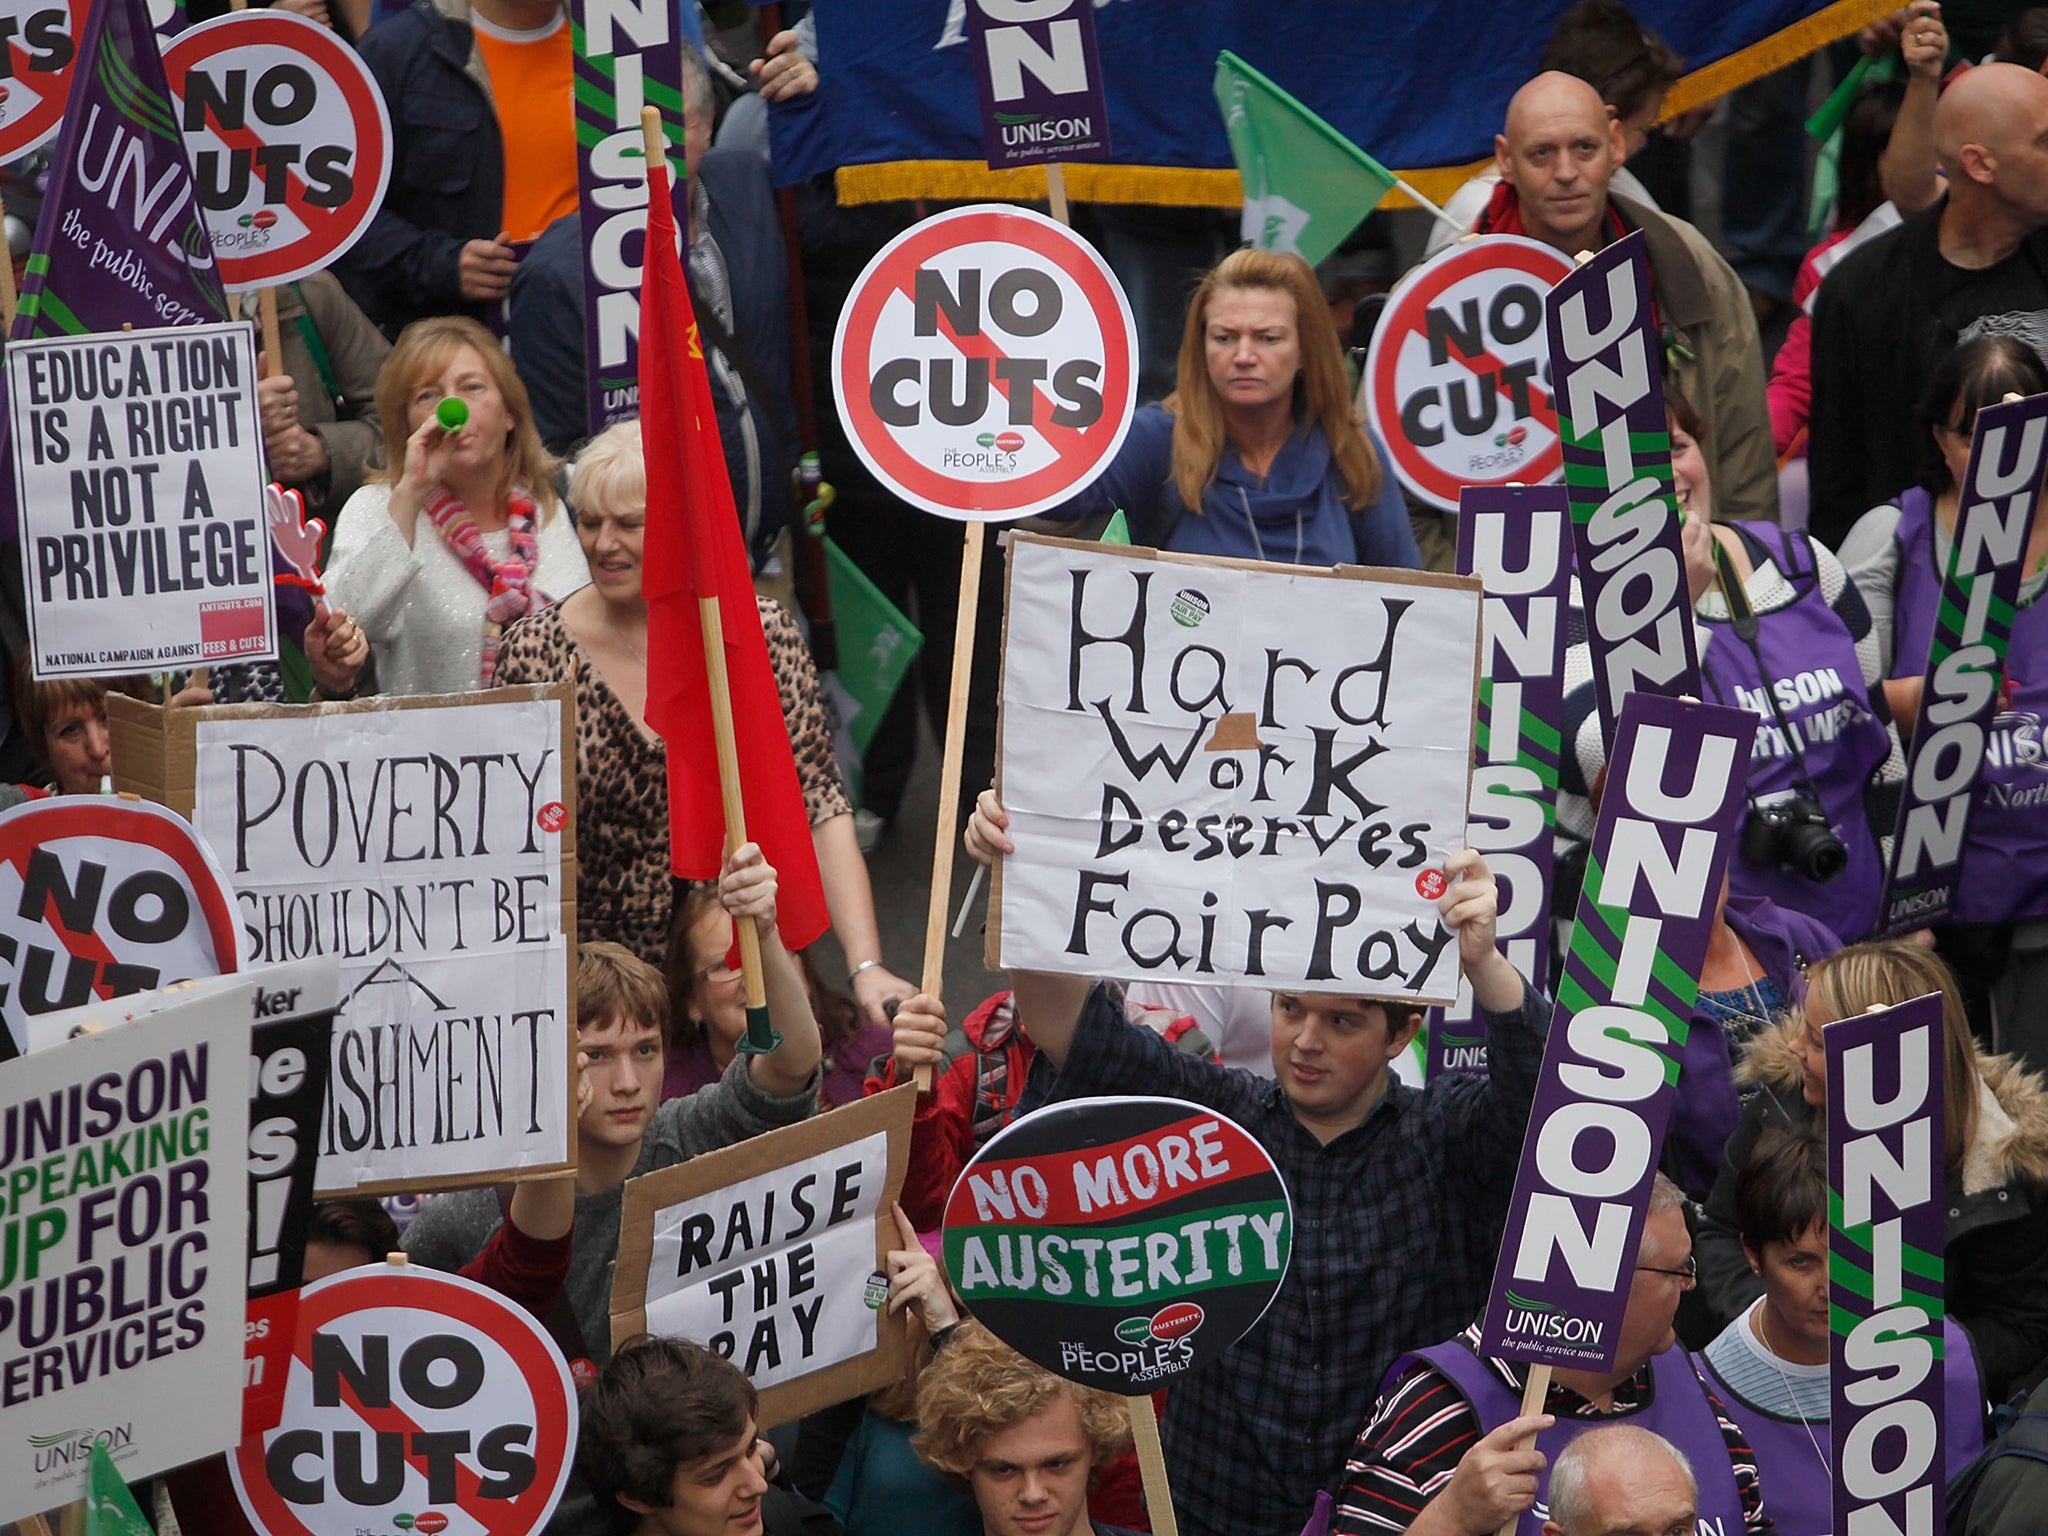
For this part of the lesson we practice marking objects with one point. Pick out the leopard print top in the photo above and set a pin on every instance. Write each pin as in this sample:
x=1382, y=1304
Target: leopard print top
x=622, y=882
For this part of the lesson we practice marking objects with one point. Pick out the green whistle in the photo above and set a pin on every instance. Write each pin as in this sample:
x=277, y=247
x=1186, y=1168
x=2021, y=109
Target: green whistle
x=452, y=413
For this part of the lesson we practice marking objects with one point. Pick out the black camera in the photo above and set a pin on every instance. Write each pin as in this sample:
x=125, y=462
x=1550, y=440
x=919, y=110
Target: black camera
x=1796, y=834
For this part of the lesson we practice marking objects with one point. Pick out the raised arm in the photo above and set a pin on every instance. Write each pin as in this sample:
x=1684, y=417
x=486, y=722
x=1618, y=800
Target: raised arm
x=1048, y=1006
x=747, y=890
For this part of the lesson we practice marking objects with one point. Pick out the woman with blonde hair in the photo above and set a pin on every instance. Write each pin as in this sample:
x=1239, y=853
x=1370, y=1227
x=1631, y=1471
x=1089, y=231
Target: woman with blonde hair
x=1995, y=1125
x=463, y=534
x=1256, y=453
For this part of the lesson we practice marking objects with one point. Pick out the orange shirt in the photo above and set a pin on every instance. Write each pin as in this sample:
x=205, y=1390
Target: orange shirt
x=533, y=79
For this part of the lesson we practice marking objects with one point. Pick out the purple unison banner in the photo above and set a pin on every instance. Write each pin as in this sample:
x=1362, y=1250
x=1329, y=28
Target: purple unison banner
x=1886, y=1174
x=1039, y=80
x=1607, y=381
x=1966, y=659
x=1610, y=1068
x=1517, y=540
x=627, y=56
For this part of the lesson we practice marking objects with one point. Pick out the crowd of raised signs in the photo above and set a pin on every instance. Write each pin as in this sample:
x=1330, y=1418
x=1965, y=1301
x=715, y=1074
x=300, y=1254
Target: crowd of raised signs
x=1820, y=400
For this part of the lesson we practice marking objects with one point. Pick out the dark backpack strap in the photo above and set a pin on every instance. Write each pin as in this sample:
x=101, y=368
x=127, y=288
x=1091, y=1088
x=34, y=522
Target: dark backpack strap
x=2027, y=1437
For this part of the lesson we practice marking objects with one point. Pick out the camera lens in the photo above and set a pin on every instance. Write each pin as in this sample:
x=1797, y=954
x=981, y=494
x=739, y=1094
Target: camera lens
x=1815, y=851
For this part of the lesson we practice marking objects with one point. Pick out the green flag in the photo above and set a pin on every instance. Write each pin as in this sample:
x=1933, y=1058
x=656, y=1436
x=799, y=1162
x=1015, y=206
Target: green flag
x=1116, y=530
x=109, y=1506
x=1306, y=186
x=876, y=644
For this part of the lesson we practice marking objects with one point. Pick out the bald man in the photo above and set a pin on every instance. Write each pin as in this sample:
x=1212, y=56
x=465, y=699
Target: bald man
x=1891, y=310
x=1557, y=153
x=1622, y=1481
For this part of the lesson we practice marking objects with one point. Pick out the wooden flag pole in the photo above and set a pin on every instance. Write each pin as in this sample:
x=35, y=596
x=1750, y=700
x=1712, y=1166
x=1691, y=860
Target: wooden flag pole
x=1152, y=1466
x=9, y=299
x=1056, y=191
x=759, y=1038
x=934, y=978
x=1534, y=1392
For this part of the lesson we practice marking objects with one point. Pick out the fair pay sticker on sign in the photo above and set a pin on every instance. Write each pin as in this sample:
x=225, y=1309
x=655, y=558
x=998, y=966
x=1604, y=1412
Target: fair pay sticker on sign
x=986, y=364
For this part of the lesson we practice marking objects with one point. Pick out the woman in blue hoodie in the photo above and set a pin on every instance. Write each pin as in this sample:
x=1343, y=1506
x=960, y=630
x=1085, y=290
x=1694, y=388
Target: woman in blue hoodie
x=1256, y=454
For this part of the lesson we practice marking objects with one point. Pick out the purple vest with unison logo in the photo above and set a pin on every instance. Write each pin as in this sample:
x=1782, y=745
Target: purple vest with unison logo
x=1791, y=1473
x=1677, y=1410
x=1811, y=660
x=2005, y=853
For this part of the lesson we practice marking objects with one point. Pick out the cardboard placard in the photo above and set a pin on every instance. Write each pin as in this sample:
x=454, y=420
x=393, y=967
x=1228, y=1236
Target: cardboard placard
x=1517, y=541
x=388, y=1349
x=1454, y=381
x=122, y=1275
x=1966, y=652
x=1120, y=1242
x=100, y=898
x=39, y=83
x=138, y=472
x=1038, y=75
x=1607, y=382
x=1887, y=1233
x=762, y=1252
x=1232, y=772
x=1610, y=1065
x=429, y=843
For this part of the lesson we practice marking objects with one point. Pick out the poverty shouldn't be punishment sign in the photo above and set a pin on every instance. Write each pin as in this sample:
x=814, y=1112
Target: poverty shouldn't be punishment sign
x=139, y=476
x=1120, y=1242
x=1223, y=771
x=429, y=846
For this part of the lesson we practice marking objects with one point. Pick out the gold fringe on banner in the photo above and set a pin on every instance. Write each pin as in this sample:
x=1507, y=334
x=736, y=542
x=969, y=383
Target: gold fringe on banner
x=1177, y=186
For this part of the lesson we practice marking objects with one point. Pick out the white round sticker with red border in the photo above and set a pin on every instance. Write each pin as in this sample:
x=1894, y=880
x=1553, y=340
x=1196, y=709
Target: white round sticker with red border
x=986, y=364
x=42, y=47
x=417, y=1401
x=289, y=140
x=102, y=897
x=1457, y=377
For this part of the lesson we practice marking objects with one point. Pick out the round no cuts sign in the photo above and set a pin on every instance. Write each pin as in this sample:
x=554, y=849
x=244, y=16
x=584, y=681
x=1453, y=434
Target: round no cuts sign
x=1120, y=1242
x=1458, y=378
x=986, y=364
x=289, y=139
x=35, y=69
x=101, y=897
x=417, y=1401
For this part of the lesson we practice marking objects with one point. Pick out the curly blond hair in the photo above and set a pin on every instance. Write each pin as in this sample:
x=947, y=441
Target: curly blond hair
x=977, y=1386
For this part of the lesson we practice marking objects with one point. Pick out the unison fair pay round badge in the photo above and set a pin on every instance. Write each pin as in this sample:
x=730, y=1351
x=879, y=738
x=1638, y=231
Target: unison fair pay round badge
x=1120, y=1242
x=1457, y=381
x=985, y=364
x=289, y=139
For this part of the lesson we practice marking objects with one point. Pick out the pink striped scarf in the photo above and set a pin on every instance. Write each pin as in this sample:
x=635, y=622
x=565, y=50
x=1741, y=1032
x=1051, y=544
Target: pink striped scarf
x=509, y=582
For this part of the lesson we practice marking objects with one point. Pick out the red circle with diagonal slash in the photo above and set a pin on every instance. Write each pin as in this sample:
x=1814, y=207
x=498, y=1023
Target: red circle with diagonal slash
x=294, y=218
x=525, y=1385
x=992, y=467
x=32, y=105
x=1461, y=286
x=46, y=825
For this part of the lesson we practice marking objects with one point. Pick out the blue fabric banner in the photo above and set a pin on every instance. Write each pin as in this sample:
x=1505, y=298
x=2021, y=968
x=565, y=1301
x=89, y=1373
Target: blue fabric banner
x=1414, y=85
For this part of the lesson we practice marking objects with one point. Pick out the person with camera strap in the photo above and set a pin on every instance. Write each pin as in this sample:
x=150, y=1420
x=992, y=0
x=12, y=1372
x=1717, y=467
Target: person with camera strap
x=1782, y=631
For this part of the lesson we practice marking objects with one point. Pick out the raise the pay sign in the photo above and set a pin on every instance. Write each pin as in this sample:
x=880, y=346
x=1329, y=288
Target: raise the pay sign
x=139, y=476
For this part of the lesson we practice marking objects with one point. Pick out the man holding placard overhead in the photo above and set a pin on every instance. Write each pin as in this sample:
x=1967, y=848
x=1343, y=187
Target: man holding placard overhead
x=1399, y=1195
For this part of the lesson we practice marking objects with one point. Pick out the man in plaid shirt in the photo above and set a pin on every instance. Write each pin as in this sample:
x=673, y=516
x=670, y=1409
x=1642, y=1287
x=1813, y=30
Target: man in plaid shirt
x=1399, y=1198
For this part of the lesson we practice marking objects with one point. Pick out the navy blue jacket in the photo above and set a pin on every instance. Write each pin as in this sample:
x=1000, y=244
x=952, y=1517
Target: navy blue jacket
x=447, y=175
x=547, y=336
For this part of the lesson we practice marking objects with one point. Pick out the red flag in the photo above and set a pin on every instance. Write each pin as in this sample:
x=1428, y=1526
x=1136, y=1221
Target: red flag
x=694, y=550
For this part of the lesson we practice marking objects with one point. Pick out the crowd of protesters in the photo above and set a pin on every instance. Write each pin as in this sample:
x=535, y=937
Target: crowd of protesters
x=1820, y=403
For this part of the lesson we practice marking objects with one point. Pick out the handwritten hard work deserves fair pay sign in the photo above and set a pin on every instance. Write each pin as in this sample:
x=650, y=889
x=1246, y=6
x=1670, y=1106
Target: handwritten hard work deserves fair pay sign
x=430, y=847
x=139, y=477
x=762, y=1252
x=1224, y=771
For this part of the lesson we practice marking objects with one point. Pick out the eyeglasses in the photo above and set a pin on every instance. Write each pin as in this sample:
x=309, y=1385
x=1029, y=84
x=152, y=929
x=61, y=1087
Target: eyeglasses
x=1687, y=1277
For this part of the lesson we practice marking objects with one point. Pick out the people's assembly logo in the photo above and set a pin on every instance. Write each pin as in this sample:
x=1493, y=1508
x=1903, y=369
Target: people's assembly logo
x=1168, y=1323
x=427, y=1521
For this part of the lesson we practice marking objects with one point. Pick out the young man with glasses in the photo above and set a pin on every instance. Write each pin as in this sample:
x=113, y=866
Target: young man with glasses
x=1441, y=1454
